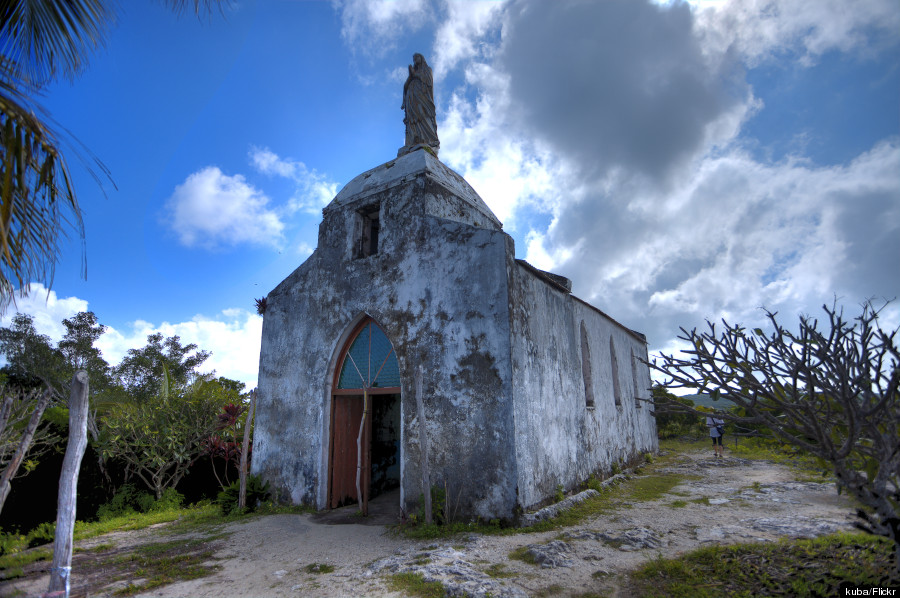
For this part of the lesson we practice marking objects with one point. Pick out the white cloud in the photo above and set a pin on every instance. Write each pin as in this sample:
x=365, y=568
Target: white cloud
x=762, y=30
x=46, y=308
x=462, y=28
x=313, y=190
x=621, y=122
x=233, y=336
x=212, y=209
x=372, y=26
x=718, y=235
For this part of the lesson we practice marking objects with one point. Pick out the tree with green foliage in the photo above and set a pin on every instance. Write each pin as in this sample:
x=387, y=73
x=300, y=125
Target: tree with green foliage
x=77, y=346
x=834, y=392
x=41, y=40
x=161, y=436
x=31, y=359
x=143, y=371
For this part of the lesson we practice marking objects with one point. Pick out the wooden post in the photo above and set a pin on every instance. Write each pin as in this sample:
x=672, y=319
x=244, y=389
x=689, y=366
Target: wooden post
x=423, y=444
x=363, y=503
x=13, y=466
x=68, y=484
x=245, y=448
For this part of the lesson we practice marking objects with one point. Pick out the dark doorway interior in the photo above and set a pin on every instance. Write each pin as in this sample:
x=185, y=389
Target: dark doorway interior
x=385, y=457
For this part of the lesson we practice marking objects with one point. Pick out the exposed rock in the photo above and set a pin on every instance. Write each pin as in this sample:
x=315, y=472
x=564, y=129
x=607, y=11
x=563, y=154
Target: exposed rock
x=447, y=566
x=795, y=527
x=555, y=509
x=551, y=555
x=634, y=539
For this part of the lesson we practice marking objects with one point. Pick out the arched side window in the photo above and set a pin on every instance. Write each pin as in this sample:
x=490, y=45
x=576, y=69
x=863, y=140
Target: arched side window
x=634, y=379
x=369, y=363
x=614, y=364
x=586, y=369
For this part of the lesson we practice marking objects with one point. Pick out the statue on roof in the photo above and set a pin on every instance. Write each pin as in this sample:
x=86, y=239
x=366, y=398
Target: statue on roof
x=418, y=105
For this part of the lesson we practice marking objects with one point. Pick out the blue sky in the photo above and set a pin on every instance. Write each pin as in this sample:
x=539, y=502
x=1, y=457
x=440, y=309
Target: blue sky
x=677, y=161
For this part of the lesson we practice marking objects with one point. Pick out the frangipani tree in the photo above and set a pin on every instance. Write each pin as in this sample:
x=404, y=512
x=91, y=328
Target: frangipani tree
x=831, y=391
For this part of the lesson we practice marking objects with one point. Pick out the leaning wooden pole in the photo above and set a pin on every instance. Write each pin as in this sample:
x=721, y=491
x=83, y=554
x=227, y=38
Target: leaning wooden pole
x=423, y=445
x=13, y=466
x=363, y=504
x=245, y=449
x=68, y=484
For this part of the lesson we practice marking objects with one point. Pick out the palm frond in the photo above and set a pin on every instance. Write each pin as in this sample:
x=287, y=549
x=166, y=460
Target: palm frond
x=37, y=199
x=200, y=7
x=45, y=38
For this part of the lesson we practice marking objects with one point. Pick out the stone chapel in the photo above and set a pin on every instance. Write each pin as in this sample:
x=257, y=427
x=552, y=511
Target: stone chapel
x=524, y=387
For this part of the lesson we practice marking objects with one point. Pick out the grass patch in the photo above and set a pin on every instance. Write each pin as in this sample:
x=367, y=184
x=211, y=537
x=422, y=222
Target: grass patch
x=703, y=500
x=319, y=568
x=13, y=565
x=652, y=487
x=677, y=504
x=163, y=563
x=554, y=590
x=182, y=518
x=521, y=554
x=804, y=465
x=414, y=584
x=498, y=570
x=801, y=568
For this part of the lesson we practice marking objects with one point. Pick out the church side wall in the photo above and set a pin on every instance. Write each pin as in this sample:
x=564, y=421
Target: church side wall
x=438, y=290
x=560, y=439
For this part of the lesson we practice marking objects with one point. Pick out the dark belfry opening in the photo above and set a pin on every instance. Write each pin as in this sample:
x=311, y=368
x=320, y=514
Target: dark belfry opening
x=371, y=228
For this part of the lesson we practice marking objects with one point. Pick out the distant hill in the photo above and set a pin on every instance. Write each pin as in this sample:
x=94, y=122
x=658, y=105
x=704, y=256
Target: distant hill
x=707, y=401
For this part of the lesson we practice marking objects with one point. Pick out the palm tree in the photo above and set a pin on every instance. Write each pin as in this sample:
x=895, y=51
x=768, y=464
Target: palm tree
x=41, y=40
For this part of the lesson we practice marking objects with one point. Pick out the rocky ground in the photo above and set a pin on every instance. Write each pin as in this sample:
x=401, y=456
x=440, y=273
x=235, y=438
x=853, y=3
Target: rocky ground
x=720, y=501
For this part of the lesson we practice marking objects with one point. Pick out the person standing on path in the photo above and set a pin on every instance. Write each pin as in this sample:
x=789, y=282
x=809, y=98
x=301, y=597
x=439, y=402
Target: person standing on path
x=716, y=432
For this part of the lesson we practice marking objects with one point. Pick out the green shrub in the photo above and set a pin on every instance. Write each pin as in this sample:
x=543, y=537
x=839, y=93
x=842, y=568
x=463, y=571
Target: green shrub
x=45, y=533
x=11, y=543
x=171, y=499
x=129, y=500
x=257, y=492
x=438, y=506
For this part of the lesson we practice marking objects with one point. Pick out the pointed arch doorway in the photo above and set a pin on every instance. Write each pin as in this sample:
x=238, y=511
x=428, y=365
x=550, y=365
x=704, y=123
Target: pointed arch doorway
x=365, y=419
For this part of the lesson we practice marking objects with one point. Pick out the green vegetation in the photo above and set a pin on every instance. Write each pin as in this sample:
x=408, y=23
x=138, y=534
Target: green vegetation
x=498, y=571
x=257, y=493
x=800, y=568
x=319, y=568
x=414, y=584
x=832, y=391
x=647, y=487
x=12, y=565
x=161, y=564
x=521, y=554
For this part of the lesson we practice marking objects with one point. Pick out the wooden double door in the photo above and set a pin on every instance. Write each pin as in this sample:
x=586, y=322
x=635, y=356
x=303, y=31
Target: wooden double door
x=365, y=418
x=378, y=457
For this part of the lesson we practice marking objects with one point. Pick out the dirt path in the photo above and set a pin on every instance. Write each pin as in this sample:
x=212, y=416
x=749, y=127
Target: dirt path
x=733, y=500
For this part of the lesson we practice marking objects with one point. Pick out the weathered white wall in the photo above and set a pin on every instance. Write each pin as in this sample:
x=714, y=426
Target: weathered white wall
x=559, y=439
x=437, y=287
x=500, y=345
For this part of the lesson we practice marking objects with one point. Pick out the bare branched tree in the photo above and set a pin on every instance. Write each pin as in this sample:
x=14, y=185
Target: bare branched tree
x=832, y=392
